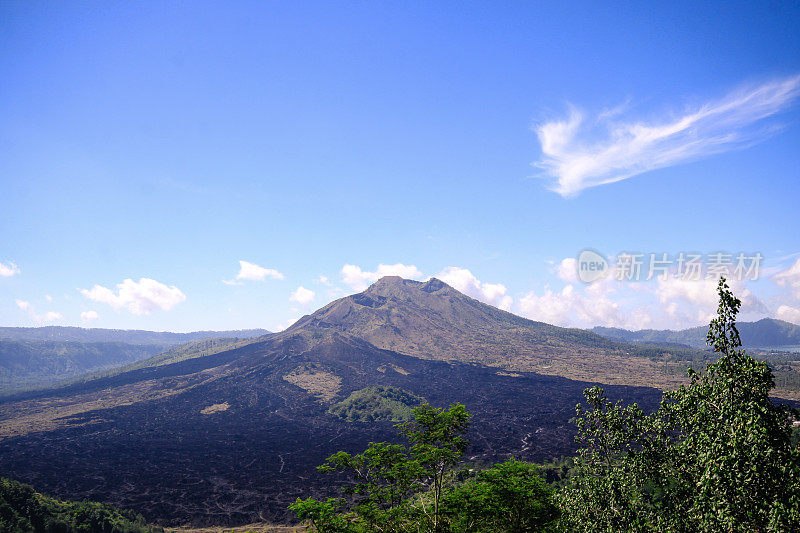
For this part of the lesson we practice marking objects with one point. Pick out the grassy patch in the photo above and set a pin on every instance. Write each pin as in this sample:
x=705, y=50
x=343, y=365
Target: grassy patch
x=377, y=403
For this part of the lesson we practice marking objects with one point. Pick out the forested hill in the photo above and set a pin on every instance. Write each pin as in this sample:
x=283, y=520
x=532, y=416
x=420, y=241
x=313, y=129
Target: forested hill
x=765, y=333
x=32, y=358
x=128, y=336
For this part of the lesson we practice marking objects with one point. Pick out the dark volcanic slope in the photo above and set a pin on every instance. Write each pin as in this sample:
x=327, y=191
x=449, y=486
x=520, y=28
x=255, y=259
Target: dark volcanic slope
x=234, y=437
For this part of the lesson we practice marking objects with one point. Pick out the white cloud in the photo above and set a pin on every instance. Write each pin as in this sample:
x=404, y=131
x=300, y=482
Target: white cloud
x=324, y=280
x=253, y=272
x=789, y=314
x=88, y=316
x=567, y=270
x=702, y=299
x=359, y=280
x=583, y=151
x=302, y=296
x=464, y=281
x=790, y=278
x=140, y=298
x=8, y=269
x=48, y=297
x=572, y=307
x=50, y=316
x=668, y=303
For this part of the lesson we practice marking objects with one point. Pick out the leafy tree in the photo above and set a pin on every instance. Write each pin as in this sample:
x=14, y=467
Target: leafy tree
x=324, y=516
x=735, y=443
x=416, y=488
x=510, y=497
x=716, y=455
x=386, y=476
x=437, y=438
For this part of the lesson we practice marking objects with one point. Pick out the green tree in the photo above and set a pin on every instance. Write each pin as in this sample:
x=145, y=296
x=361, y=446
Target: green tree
x=735, y=444
x=325, y=517
x=385, y=477
x=511, y=497
x=438, y=441
x=716, y=455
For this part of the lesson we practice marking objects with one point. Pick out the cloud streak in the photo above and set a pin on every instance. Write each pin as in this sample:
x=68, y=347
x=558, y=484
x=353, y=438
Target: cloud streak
x=582, y=151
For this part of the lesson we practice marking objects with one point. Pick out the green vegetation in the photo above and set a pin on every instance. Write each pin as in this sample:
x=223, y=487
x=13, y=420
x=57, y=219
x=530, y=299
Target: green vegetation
x=717, y=455
x=420, y=487
x=377, y=403
x=23, y=510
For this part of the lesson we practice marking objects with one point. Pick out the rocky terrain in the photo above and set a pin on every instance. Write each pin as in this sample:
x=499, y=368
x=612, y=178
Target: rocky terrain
x=233, y=436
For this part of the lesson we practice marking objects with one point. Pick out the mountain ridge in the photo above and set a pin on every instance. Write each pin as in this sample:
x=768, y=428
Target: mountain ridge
x=33, y=358
x=764, y=333
x=128, y=336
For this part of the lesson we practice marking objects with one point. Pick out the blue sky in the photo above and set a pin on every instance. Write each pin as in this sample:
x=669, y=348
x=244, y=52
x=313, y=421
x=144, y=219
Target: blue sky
x=163, y=143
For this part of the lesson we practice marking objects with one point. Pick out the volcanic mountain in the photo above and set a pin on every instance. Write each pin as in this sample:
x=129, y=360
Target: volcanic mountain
x=432, y=320
x=233, y=436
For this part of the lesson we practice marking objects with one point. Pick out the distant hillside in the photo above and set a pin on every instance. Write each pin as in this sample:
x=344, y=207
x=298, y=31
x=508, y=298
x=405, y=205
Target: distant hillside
x=38, y=357
x=128, y=336
x=31, y=364
x=766, y=333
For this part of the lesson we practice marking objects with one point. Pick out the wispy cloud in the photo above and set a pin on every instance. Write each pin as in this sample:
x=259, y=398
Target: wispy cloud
x=50, y=316
x=790, y=279
x=582, y=151
x=253, y=272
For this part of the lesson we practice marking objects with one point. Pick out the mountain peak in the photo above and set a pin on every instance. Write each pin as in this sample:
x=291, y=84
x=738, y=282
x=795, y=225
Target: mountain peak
x=387, y=283
x=393, y=285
